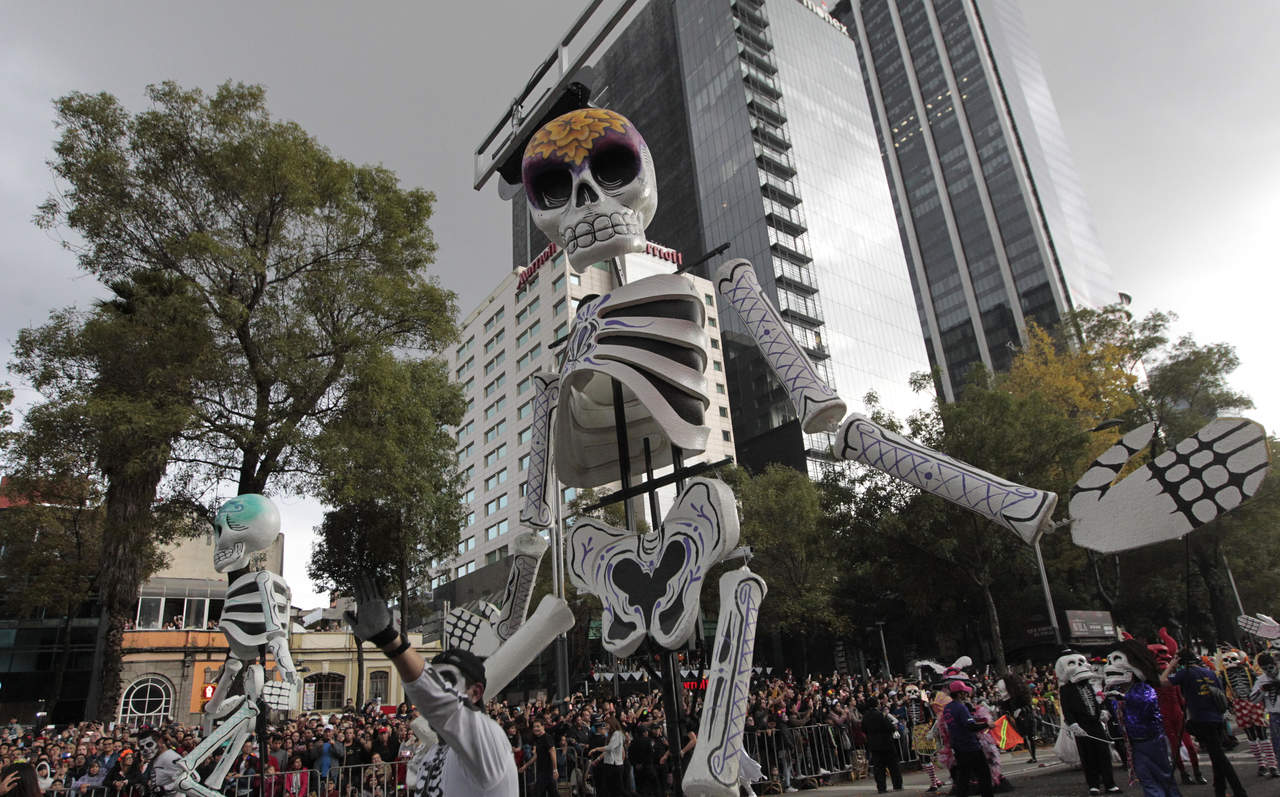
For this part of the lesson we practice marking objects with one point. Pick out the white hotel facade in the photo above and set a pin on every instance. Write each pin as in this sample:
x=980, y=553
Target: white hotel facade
x=504, y=341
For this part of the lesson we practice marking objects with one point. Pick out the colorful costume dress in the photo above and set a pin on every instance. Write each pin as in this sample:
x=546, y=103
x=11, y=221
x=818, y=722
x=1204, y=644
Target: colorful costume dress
x=1143, y=729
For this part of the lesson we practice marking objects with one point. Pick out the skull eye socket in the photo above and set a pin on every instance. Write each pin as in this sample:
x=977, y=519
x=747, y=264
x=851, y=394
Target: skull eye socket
x=614, y=167
x=551, y=188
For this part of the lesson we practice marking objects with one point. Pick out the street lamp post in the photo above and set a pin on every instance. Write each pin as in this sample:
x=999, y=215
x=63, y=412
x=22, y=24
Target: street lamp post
x=888, y=671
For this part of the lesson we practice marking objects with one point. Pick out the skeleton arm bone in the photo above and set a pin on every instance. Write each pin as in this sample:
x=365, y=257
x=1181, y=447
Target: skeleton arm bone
x=276, y=626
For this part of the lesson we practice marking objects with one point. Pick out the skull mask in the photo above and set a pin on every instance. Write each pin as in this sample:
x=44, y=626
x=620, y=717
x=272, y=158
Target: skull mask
x=591, y=187
x=1072, y=668
x=913, y=692
x=1119, y=671
x=244, y=525
x=1231, y=658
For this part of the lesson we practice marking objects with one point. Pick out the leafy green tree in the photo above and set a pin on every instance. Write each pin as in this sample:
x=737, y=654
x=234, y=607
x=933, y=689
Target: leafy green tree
x=298, y=266
x=117, y=384
x=781, y=519
x=304, y=263
x=388, y=451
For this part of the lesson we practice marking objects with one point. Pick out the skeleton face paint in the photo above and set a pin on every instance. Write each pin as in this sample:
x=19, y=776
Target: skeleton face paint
x=244, y=525
x=590, y=182
x=452, y=677
x=148, y=748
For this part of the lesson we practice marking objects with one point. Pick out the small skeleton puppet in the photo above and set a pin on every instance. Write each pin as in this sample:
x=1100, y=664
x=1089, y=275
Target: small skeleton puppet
x=482, y=632
x=920, y=721
x=1259, y=625
x=1206, y=475
x=255, y=621
x=715, y=768
x=1238, y=676
x=1023, y=510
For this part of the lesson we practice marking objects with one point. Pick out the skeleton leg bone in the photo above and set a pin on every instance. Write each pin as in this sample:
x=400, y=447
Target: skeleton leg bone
x=714, y=768
x=215, y=709
x=233, y=731
x=1022, y=510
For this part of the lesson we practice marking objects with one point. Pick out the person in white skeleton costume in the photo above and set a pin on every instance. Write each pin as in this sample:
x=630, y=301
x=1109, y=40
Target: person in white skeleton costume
x=472, y=757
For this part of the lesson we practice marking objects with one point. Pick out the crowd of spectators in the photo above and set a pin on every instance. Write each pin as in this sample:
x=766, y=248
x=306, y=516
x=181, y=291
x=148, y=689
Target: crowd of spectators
x=602, y=743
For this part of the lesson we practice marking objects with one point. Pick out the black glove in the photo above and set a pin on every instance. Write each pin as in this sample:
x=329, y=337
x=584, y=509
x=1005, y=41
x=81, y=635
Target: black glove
x=372, y=621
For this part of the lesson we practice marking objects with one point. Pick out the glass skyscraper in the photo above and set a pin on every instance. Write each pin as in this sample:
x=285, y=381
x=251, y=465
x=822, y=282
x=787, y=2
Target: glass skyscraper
x=762, y=141
x=994, y=225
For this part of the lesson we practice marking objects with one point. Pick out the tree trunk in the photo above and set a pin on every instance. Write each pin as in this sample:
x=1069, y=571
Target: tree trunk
x=993, y=618
x=60, y=672
x=1207, y=555
x=359, y=674
x=127, y=549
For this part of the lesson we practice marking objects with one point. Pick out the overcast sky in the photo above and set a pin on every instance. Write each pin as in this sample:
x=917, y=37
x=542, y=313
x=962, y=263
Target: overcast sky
x=1168, y=107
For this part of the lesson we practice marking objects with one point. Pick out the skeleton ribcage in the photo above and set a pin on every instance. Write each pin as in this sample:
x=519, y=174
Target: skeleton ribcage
x=1239, y=680
x=242, y=619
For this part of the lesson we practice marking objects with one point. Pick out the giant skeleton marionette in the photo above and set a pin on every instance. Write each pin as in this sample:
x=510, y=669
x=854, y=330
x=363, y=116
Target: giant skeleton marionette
x=255, y=621
x=637, y=354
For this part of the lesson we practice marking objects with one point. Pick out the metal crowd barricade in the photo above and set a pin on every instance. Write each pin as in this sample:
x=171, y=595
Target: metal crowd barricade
x=791, y=754
x=384, y=779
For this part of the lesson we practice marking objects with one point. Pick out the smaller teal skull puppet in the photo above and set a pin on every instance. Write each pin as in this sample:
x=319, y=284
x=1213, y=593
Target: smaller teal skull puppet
x=589, y=179
x=1130, y=673
x=243, y=526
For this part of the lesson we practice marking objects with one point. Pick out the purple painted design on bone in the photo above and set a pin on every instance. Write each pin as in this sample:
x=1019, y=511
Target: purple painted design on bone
x=617, y=322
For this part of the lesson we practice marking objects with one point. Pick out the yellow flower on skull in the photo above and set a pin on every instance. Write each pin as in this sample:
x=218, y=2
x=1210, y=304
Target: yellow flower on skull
x=569, y=137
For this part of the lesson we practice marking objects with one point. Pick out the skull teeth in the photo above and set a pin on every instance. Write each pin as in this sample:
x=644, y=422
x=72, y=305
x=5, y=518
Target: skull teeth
x=598, y=229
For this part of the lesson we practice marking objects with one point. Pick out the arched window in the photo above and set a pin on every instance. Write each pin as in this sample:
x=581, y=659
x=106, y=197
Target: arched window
x=147, y=701
x=378, y=682
x=330, y=689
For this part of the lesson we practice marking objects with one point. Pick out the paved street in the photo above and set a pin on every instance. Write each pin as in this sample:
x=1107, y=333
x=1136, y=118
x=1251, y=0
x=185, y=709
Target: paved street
x=1054, y=779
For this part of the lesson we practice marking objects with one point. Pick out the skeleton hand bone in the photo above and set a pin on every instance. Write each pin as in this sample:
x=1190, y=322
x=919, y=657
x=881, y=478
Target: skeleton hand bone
x=1203, y=476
